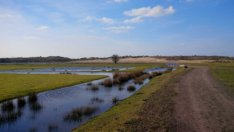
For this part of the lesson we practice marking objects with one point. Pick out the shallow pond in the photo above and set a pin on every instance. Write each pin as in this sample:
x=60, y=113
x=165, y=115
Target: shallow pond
x=62, y=109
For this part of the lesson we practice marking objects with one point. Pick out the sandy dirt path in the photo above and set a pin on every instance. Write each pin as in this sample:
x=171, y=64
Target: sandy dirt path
x=201, y=105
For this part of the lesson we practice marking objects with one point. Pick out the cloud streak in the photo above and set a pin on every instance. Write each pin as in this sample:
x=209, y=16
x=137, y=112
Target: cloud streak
x=104, y=20
x=139, y=14
x=156, y=11
x=119, y=29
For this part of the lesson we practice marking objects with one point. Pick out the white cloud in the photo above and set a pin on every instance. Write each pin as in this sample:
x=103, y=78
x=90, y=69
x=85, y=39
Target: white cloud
x=119, y=29
x=42, y=28
x=134, y=20
x=104, y=20
x=156, y=11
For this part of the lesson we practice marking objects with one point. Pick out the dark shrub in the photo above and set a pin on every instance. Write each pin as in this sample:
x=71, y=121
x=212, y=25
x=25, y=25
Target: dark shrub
x=52, y=128
x=89, y=84
x=120, y=88
x=140, y=80
x=155, y=74
x=96, y=99
x=8, y=106
x=35, y=107
x=77, y=114
x=93, y=88
x=107, y=83
x=131, y=88
x=89, y=110
x=32, y=98
x=10, y=117
x=115, y=100
x=136, y=74
x=120, y=78
x=21, y=102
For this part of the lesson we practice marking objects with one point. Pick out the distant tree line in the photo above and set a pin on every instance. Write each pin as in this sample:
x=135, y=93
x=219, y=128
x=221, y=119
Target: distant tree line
x=115, y=58
x=35, y=59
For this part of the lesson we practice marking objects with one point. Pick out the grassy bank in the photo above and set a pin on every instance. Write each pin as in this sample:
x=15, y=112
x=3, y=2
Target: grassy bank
x=225, y=74
x=127, y=111
x=14, y=85
x=36, y=66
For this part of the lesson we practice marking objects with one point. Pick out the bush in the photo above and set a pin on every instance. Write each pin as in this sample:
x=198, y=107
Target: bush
x=115, y=100
x=140, y=80
x=94, y=88
x=8, y=106
x=131, y=88
x=77, y=114
x=21, y=102
x=32, y=98
x=107, y=83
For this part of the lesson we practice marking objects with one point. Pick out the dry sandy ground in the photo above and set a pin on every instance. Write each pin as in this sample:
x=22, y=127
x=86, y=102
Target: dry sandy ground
x=201, y=105
x=142, y=60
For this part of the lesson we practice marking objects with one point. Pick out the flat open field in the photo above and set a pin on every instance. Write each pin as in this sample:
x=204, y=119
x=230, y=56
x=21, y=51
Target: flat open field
x=139, y=66
x=225, y=74
x=15, y=85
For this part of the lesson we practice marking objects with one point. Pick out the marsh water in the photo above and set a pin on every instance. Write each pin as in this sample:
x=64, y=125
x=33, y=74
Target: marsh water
x=53, y=110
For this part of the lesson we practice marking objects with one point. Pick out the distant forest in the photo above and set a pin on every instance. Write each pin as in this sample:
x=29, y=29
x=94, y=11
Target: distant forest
x=52, y=59
x=35, y=59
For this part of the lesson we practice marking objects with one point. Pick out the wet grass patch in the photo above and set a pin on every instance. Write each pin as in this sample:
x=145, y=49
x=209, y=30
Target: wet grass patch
x=8, y=106
x=107, y=83
x=96, y=100
x=9, y=117
x=131, y=88
x=21, y=102
x=93, y=88
x=115, y=100
x=77, y=114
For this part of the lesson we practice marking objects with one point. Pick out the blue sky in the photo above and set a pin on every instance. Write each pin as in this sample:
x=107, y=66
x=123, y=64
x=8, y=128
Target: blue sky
x=84, y=28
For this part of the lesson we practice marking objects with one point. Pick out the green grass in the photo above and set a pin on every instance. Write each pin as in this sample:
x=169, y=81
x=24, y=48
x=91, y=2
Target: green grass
x=15, y=85
x=225, y=74
x=127, y=110
x=36, y=66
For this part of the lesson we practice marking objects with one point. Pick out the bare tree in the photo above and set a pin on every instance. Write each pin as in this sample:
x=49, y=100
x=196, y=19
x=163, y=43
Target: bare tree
x=115, y=58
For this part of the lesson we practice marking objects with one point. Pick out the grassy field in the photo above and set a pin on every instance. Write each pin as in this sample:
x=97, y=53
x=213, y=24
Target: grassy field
x=225, y=74
x=127, y=110
x=14, y=85
x=36, y=66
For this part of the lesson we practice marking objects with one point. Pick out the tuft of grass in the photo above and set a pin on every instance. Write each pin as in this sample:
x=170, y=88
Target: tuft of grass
x=94, y=88
x=115, y=100
x=131, y=88
x=32, y=98
x=8, y=106
x=96, y=100
x=107, y=83
x=78, y=113
x=21, y=102
x=89, y=84
x=52, y=128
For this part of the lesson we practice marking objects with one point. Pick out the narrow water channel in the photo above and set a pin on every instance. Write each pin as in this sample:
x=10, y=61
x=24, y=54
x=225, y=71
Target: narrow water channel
x=54, y=110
